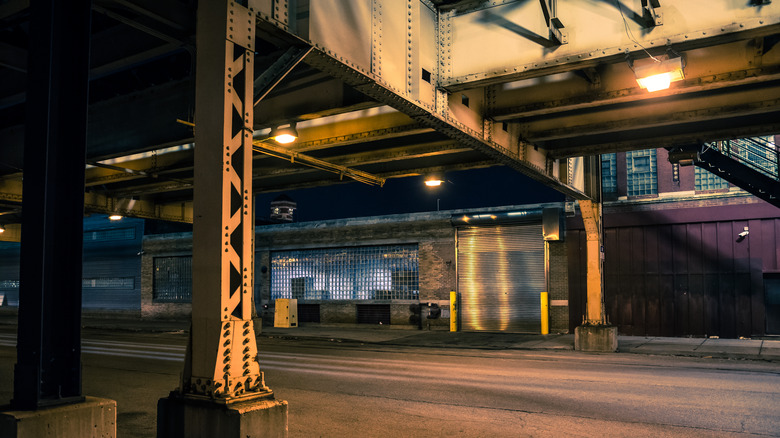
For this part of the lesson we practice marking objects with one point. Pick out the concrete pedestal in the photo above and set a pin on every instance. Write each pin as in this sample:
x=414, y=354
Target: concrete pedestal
x=181, y=416
x=92, y=418
x=597, y=338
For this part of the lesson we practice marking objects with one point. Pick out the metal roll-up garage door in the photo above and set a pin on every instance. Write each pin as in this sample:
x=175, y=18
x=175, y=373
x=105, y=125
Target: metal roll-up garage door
x=500, y=276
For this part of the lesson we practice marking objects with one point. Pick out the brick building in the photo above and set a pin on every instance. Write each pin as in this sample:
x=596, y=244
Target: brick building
x=675, y=263
x=392, y=270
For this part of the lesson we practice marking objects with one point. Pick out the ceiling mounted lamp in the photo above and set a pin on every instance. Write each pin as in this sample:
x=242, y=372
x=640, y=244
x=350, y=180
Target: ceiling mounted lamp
x=2, y=229
x=284, y=134
x=659, y=74
x=115, y=217
x=433, y=181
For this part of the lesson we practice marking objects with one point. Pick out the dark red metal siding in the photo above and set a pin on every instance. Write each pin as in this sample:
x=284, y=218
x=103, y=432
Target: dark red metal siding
x=681, y=279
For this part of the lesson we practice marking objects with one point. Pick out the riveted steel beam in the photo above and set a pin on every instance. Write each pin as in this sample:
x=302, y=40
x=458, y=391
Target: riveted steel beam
x=268, y=148
x=438, y=111
x=604, y=34
x=101, y=203
x=221, y=363
x=48, y=367
x=277, y=71
x=591, y=217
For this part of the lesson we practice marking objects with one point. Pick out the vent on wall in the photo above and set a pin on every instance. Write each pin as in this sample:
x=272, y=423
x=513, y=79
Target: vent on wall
x=373, y=314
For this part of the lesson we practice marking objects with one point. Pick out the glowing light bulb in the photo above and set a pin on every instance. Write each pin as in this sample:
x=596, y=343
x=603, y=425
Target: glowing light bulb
x=285, y=138
x=656, y=82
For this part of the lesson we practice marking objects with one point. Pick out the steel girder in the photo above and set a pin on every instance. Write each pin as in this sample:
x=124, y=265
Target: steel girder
x=476, y=71
x=221, y=362
x=362, y=51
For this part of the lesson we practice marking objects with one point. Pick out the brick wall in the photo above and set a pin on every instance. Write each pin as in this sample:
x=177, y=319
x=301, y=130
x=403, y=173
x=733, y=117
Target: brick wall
x=164, y=245
x=432, y=232
x=558, y=285
x=436, y=251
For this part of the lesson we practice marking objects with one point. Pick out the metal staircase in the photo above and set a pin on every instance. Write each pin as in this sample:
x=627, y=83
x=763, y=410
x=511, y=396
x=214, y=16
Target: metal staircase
x=749, y=163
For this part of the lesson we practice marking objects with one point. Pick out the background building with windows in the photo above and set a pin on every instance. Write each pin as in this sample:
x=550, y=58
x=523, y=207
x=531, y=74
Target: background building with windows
x=674, y=264
x=394, y=270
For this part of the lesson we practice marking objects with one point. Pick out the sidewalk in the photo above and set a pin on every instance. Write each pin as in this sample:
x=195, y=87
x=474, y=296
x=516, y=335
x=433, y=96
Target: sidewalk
x=753, y=349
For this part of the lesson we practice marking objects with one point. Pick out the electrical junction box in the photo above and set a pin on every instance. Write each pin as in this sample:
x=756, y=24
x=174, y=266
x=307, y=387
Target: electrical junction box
x=286, y=313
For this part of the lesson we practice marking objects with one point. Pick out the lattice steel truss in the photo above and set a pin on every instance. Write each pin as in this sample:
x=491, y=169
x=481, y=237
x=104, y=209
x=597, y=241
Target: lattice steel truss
x=222, y=358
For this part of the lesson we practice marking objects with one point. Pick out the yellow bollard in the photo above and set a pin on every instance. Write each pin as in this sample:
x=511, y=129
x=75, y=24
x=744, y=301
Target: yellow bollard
x=545, y=314
x=453, y=311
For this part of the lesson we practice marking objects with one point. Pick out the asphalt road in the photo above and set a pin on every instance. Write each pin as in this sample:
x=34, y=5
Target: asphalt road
x=355, y=390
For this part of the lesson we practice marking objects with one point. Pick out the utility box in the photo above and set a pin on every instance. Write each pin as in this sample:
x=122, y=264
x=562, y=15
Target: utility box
x=286, y=312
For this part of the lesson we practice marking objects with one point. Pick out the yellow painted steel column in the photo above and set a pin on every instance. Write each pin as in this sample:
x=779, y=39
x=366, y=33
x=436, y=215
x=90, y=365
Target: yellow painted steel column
x=591, y=217
x=454, y=311
x=545, y=313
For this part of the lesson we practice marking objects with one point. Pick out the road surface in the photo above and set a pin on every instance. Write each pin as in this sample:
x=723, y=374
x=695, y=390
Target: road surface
x=355, y=390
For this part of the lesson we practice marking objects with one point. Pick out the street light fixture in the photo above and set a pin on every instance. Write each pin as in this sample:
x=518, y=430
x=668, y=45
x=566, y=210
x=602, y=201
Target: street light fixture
x=284, y=134
x=658, y=75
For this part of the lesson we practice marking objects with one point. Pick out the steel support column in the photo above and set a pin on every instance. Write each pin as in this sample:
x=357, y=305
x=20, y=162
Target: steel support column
x=222, y=391
x=48, y=367
x=594, y=306
x=595, y=333
x=222, y=361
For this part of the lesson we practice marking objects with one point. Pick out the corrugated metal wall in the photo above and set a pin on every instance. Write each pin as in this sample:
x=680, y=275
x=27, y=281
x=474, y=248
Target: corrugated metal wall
x=111, y=271
x=9, y=272
x=500, y=276
x=112, y=264
x=690, y=279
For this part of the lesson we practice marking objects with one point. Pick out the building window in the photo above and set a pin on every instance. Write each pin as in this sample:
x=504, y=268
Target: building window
x=359, y=273
x=172, y=281
x=704, y=180
x=641, y=173
x=110, y=234
x=108, y=283
x=609, y=173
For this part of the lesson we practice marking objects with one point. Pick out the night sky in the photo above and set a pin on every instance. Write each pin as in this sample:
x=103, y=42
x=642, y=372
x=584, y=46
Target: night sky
x=476, y=188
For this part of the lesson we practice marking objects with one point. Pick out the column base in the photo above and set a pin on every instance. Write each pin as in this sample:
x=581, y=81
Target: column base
x=92, y=418
x=180, y=416
x=597, y=338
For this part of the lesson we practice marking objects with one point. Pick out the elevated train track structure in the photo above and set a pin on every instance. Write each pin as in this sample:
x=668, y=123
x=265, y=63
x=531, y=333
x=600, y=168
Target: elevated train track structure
x=399, y=88
x=184, y=99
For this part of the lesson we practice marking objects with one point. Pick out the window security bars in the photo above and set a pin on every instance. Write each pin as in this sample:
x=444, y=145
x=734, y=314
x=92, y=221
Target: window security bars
x=359, y=273
x=641, y=173
x=172, y=279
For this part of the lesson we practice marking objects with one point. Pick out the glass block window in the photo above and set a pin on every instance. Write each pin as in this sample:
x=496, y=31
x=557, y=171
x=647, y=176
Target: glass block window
x=357, y=273
x=172, y=279
x=9, y=284
x=109, y=234
x=704, y=180
x=641, y=173
x=609, y=173
x=108, y=283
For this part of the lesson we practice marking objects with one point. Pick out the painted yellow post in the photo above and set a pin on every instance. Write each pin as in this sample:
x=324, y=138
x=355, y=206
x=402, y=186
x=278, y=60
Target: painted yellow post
x=591, y=217
x=545, y=313
x=453, y=311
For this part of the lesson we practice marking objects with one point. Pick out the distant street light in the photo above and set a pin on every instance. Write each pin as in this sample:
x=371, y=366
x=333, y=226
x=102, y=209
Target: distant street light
x=433, y=182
